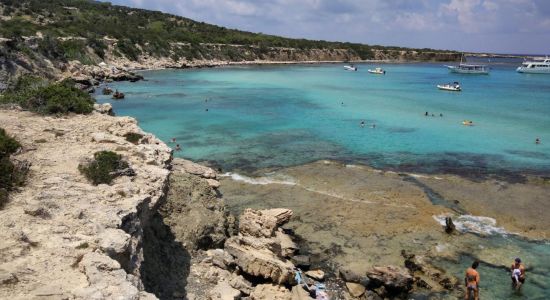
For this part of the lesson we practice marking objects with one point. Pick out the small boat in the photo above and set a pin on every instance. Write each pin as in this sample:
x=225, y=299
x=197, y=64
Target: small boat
x=453, y=87
x=469, y=68
x=350, y=68
x=107, y=91
x=118, y=95
x=377, y=71
x=467, y=123
x=535, y=67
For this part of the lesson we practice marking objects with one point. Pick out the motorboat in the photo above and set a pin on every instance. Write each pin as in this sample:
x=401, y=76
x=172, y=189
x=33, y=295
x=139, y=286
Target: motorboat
x=469, y=68
x=118, y=95
x=535, y=66
x=453, y=87
x=377, y=71
x=350, y=68
x=467, y=123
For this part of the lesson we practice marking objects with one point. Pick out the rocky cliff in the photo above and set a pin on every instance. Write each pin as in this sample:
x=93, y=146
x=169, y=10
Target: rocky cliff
x=63, y=237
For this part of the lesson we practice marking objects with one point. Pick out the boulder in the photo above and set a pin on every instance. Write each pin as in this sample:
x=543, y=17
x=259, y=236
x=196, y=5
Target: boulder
x=114, y=242
x=260, y=262
x=224, y=291
x=355, y=289
x=318, y=275
x=105, y=108
x=270, y=292
x=263, y=223
x=220, y=258
x=394, y=279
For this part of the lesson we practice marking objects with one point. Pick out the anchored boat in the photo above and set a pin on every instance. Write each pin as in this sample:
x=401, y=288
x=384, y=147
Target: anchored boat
x=377, y=71
x=453, y=87
x=535, y=67
x=469, y=69
x=350, y=68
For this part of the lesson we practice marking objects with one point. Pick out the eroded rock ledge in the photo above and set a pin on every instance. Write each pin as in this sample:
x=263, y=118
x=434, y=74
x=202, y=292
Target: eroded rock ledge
x=62, y=237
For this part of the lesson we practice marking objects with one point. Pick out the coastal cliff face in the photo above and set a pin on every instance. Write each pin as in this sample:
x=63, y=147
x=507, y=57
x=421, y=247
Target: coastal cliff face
x=61, y=236
x=115, y=66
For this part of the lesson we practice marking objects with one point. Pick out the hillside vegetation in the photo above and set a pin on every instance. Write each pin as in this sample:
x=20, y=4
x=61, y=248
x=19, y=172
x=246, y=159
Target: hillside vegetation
x=88, y=31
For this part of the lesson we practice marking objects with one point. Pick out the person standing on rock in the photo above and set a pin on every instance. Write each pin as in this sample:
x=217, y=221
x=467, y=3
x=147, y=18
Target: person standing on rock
x=471, y=280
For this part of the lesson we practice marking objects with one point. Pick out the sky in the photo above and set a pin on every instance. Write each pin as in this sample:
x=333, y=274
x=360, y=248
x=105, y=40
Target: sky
x=496, y=26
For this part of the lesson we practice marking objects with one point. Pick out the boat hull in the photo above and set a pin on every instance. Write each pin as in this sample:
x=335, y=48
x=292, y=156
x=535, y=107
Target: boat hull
x=376, y=72
x=448, y=88
x=532, y=70
x=454, y=69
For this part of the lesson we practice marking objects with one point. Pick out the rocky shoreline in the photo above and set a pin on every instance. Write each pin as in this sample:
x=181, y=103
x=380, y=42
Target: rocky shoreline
x=163, y=233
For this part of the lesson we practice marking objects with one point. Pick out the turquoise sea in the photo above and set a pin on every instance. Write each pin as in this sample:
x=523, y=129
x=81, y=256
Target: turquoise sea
x=249, y=117
x=245, y=118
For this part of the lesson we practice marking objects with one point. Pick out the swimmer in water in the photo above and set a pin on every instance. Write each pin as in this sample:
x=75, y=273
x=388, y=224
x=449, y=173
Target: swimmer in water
x=518, y=273
x=178, y=148
x=362, y=124
x=537, y=141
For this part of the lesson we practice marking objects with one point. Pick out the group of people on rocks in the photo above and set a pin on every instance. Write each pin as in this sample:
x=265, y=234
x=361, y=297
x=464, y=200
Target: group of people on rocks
x=471, y=278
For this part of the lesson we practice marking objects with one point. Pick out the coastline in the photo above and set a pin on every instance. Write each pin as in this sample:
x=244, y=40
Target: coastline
x=347, y=218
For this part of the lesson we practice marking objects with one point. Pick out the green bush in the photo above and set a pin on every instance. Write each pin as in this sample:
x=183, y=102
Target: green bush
x=36, y=94
x=133, y=137
x=104, y=167
x=10, y=175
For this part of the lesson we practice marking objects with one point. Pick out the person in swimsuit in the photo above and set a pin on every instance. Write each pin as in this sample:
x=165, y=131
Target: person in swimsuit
x=518, y=273
x=471, y=280
x=537, y=141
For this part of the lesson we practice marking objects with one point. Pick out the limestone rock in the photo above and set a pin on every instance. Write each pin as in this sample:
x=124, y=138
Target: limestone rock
x=240, y=283
x=224, y=291
x=395, y=280
x=114, y=242
x=263, y=223
x=355, y=289
x=288, y=247
x=220, y=258
x=259, y=262
x=213, y=183
x=270, y=292
x=193, y=168
x=105, y=108
x=316, y=274
x=205, y=221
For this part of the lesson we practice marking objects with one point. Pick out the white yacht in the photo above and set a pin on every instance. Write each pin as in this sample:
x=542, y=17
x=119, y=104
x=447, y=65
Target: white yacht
x=350, y=68
x=535, y=66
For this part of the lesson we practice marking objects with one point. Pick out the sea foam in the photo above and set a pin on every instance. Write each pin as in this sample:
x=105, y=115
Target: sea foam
x=259, y=180
x=474, y=224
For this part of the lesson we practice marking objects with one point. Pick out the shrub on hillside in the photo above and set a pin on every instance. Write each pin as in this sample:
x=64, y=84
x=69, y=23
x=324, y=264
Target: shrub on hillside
x=133, y=137
x=10, y=174
x=105, y=167
x=36, y=94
